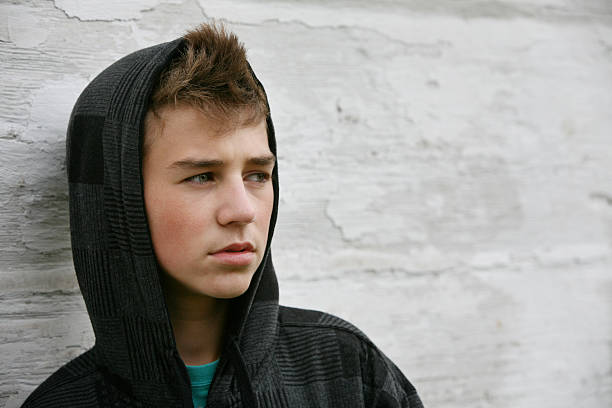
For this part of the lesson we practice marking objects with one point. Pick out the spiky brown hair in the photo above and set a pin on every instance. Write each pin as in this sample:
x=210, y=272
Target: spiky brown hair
x=211, y=74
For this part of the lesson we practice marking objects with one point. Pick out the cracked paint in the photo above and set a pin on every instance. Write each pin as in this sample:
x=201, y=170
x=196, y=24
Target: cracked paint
x=108, y=10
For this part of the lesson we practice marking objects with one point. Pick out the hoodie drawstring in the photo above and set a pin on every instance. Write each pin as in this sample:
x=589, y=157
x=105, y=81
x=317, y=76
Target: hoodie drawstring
x=244, y=381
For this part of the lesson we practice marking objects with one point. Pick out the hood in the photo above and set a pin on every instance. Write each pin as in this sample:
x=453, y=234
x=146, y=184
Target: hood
x=115, y=264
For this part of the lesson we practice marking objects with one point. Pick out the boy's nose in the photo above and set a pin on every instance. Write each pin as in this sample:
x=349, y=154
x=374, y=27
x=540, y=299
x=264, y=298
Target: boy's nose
x=237, y=206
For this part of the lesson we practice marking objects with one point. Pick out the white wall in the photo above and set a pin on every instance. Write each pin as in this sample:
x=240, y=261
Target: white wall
x=446, y=177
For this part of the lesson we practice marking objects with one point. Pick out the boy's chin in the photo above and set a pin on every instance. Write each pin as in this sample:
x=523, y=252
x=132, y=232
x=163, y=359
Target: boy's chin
x=228, y=288
x=224, y=285
x=228, y=294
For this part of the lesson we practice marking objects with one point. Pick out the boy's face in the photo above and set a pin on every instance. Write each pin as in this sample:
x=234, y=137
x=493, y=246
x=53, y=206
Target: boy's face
x=204, y=192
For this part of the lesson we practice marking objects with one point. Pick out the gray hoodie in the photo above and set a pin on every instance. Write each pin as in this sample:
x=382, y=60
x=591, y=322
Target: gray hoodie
x=273, y=356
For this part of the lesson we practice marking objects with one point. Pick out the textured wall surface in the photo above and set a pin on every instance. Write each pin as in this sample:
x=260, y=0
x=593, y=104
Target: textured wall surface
x=446, y=181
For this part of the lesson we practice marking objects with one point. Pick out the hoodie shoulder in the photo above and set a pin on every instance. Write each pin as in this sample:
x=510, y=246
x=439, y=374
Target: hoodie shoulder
x=295, y=317
x=344, y=352
x=72, y=385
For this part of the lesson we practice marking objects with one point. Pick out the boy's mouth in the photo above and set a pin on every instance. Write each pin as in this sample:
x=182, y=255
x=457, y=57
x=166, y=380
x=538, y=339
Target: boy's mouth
x=238, y=254
x=237, y=247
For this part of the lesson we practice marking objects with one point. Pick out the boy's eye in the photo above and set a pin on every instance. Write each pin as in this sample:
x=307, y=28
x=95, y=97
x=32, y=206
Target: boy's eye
x=259, y=177
x=208, y=177
x=200, y=178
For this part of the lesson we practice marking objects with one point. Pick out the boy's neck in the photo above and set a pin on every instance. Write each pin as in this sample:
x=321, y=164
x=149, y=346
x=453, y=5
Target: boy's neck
x=198, y=323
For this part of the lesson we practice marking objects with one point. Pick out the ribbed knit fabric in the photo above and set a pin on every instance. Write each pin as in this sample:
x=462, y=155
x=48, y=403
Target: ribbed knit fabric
x=273, y=356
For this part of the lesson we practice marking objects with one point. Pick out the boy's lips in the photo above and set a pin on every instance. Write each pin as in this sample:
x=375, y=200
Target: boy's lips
x=238, y=254
x=237, y=247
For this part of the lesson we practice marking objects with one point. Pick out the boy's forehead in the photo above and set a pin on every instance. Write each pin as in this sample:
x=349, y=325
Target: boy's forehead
x=187, y=125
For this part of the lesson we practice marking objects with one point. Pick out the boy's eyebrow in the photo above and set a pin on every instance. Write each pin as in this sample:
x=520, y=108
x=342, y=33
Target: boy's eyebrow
x=190, y=163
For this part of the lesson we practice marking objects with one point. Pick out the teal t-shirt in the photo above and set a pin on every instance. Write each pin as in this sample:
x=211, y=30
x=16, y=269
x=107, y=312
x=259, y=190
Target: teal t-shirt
x=201, y=376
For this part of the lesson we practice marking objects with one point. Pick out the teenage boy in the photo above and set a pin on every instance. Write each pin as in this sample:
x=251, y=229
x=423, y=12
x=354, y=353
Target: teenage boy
x=173, y=199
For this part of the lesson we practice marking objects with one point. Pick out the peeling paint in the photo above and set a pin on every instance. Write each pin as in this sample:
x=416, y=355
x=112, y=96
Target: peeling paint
x=50, y=109
x=25, y=30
